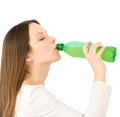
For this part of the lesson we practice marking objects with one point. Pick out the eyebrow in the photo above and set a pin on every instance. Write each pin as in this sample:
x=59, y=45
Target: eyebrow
x=41, y=33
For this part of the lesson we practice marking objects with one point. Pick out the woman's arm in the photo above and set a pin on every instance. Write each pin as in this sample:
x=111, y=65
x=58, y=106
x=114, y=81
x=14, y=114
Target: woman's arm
x=100, y=95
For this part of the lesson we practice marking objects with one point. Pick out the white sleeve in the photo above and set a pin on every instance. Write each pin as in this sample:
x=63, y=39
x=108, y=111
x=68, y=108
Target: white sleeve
x=99, y=100
x=46, y=105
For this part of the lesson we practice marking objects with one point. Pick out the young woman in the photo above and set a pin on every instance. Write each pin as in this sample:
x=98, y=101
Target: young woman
x=27, y=54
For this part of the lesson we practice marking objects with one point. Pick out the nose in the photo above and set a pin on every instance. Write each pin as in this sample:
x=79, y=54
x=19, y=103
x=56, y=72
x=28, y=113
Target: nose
x=52, y=39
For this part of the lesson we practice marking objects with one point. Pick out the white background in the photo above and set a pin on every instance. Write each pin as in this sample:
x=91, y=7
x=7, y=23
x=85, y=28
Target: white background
x=70, y=79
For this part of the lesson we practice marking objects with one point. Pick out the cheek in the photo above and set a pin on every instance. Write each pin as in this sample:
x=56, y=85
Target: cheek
x=42, y=53
x=40, y=49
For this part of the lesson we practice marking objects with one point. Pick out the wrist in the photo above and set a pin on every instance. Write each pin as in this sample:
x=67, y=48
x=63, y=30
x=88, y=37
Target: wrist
x=100, y=77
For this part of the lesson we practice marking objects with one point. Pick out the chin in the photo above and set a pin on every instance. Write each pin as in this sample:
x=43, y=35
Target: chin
x=56, y=58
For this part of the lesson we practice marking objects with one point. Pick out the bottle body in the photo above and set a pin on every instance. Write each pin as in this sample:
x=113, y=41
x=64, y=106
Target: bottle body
x=74, y=49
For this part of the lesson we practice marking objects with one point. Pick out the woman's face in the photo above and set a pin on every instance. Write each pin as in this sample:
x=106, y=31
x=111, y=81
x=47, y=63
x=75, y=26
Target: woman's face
x=43, y=47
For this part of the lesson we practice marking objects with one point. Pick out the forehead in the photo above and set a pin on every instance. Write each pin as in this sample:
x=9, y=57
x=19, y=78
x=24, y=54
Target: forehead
x=35, y=28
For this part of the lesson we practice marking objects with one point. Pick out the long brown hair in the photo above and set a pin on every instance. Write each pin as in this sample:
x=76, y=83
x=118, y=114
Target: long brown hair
x=13, y=67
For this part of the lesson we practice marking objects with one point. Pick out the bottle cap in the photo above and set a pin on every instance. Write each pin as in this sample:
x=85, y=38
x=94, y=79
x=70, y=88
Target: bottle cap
x=60, y=46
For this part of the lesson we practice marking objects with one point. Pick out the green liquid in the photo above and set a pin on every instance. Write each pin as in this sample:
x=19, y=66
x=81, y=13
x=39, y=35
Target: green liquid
x=74, y=49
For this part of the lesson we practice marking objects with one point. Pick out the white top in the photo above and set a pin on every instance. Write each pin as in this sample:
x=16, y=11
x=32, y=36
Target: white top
x=37, y=101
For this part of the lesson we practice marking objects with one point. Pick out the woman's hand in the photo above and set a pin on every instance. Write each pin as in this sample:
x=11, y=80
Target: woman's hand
x=95, y=60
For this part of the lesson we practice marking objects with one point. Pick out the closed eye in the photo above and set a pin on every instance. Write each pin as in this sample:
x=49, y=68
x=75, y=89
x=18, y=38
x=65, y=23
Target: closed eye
x=42, y=39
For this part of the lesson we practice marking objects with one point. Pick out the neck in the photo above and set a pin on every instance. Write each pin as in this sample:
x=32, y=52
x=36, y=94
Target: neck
x=37, y=75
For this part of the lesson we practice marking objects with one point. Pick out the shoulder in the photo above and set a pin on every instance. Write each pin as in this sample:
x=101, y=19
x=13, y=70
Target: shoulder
x=34, y=91
x=38, y=98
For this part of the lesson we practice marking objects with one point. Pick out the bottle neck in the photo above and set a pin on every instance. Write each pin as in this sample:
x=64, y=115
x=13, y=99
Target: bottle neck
x=60, y=46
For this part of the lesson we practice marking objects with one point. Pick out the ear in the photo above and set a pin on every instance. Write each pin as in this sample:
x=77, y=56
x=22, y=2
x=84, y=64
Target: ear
x=28, y=58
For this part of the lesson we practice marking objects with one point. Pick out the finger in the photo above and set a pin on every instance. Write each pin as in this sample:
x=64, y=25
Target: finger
x=101, y=51
x=94, y=47
x=85, y=47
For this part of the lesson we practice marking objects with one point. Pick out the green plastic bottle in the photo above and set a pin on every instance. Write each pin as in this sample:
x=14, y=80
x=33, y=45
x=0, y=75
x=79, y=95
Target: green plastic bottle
x=74, y=49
